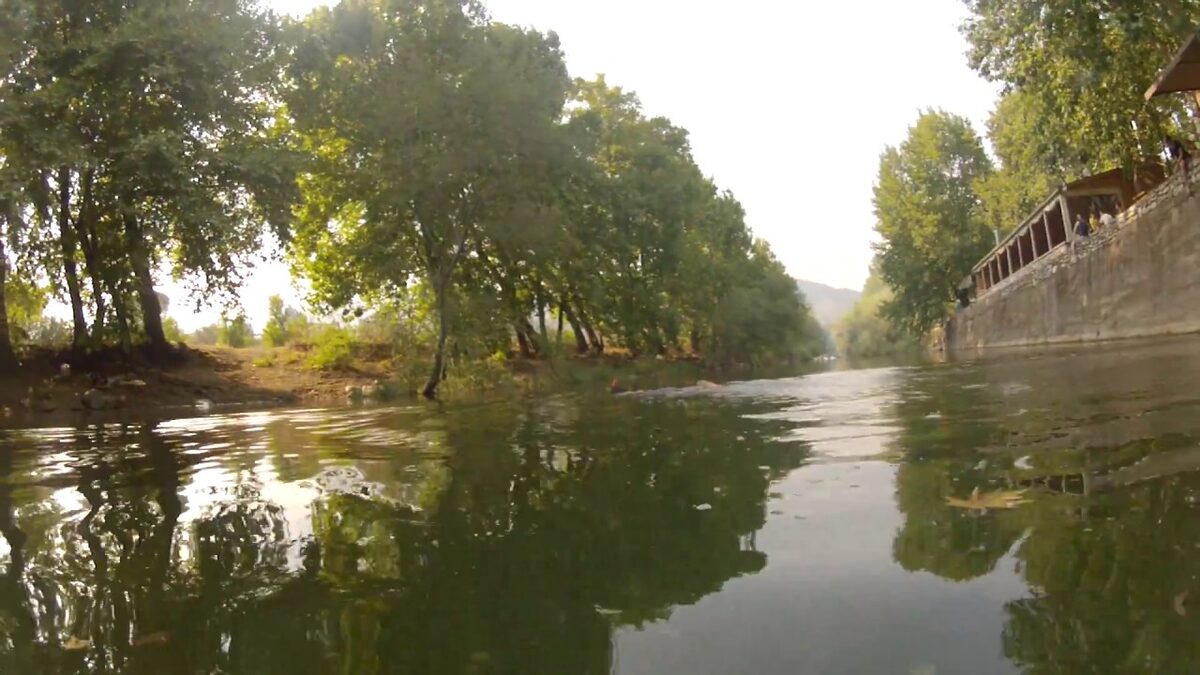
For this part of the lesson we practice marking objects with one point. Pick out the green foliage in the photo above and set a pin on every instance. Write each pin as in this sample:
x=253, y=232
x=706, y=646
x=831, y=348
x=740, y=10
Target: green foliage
x=205, y=335
x=1084, y=64
x=333, y=349
x=761, y=319
x=929, y=218
x=171, y=330
x=284, y=324
x=1032, y=162
x=48, y=332
x=461, y=184
x=450, y=172
x=136, y=136
x=864, y=332
x=235, y=332
x=25, y=302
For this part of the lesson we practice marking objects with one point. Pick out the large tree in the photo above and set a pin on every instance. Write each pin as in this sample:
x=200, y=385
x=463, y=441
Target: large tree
x=423, y=116
x=1087, y=64
x=1033, y=160
x=928, y=217
x=143, y=132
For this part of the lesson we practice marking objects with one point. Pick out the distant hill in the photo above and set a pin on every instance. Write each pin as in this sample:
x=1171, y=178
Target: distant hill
x=828, y=303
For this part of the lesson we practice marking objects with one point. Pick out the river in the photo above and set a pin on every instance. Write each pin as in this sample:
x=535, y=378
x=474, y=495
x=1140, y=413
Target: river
x=1039, y=512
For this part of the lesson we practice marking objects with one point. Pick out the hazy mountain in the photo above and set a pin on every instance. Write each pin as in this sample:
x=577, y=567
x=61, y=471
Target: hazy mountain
x=828, y=303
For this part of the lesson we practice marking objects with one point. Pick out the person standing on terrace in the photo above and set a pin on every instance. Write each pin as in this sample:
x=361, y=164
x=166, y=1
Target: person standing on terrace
x=1081, y=230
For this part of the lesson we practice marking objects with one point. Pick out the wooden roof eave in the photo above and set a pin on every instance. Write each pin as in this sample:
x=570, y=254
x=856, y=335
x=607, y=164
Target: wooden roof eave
x=1182, y=73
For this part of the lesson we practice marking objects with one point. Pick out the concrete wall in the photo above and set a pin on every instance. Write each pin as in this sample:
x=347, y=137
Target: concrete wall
x=1138, y=278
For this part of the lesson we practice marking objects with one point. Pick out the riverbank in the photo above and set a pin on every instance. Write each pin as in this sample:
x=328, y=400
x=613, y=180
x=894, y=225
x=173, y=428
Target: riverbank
x=55, y=387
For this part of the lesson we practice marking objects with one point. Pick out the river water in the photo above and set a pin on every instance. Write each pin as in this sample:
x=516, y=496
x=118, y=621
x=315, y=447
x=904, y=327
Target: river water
x=1035, y=513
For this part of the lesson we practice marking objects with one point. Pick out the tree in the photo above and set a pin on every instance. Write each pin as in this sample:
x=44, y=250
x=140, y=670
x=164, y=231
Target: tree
x=929, y=218
x=1086, y=64
x=235, y=331
x=275, y=333
x=205, y=335
x=145, y=132
x=864, y=332
x=171, y=330
x=421, y=114
x=1034, y=159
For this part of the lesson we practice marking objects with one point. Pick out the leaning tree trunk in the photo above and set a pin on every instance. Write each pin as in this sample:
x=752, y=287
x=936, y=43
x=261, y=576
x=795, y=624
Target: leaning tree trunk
x=8, y=359
x=537, y=343
x=139, y=258
x=523, y=343
x=593, y=337
x=581, y=343
x=66, y=240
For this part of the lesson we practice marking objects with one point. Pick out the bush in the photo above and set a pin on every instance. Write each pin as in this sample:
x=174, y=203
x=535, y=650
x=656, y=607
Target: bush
x=235, y=332
x=285, y=324
x=333, y=349
x=206, y=335
x=48, y=332
x=171, y=329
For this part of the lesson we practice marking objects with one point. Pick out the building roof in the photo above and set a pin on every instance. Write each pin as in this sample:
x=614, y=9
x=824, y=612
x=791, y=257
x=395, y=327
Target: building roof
x=1182, y=73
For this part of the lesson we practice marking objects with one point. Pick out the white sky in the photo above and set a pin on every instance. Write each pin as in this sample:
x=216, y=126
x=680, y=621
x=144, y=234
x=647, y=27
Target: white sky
x=789, y=105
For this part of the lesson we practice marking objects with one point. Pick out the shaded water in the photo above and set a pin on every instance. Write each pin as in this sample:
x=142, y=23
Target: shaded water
x=779, y=526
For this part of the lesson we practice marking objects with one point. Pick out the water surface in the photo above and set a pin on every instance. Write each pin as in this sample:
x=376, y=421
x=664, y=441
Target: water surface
x=801, y=525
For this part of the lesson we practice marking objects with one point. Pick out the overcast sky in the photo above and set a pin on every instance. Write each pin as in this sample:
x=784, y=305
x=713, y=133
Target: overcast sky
x=789, y=105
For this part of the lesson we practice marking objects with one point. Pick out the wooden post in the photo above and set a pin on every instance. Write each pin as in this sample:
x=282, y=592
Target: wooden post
x=1046, y=230
x=1068, y=228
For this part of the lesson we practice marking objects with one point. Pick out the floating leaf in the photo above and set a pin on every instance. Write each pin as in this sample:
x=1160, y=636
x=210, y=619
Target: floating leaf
x=157, y=638
x=985, y=501
x=1178, y=603
x=75, y=644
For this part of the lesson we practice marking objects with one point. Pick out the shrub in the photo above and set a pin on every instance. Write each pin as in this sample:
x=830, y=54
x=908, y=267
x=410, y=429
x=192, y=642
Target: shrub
x=235, y=332
x=205, y=335
x=171, y=329
x=333, y=349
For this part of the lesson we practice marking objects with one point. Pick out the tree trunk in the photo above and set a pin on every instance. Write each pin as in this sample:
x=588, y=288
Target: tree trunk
x=139, y=258
x=123, y=334
x=581, y=343
x=695, y=340
x=523, y=343
x=593, y=337
x=537, y=341
x=541, y=313
x=85, y=231
x=439, y=356
x=558, y=333
x=8, y=359
x=66, y=240
x=597, y=343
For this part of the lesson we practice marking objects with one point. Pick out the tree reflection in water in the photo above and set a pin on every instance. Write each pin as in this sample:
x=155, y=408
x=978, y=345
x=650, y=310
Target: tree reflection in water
x=479, y=539
x=1108, y=542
